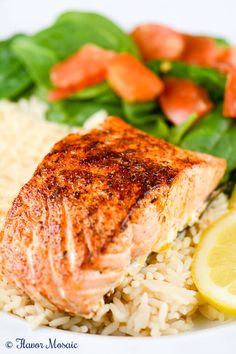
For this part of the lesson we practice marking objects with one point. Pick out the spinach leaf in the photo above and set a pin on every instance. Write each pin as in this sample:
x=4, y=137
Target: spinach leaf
x=147, y=117
x=109, y=97
x=91, y=92
x=41, y=93
x=27, y=93
x=226, y=147
x=212, y=80
x=222, y=43
x=74, y=29
x=140, y=113
x=205, y=135
x=215, y=135
x=177, y=132
x=36, y=59
x=14, y=79
x=75, y=113
x=100, y=93
x=159, y=128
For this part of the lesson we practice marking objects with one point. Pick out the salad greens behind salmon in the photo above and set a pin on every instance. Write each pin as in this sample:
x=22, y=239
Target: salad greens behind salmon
x=173, y=85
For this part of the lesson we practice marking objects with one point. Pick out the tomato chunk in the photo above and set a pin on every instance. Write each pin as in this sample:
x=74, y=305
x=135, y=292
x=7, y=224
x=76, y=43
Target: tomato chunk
x=230, y=96
x=226, y=60
x=199, y=50
x=85, y=68
x=131, y=80
x=181, y=98
x=158, y=42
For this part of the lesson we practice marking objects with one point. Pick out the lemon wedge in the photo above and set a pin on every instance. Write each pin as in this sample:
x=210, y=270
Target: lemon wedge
x=214, y=264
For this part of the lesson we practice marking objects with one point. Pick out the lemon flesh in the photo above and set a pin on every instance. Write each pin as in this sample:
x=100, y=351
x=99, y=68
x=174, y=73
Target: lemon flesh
x=214, y=264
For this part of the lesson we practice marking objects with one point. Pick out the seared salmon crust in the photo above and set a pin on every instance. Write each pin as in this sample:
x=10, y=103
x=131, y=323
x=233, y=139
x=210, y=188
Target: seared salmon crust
x=96, y=203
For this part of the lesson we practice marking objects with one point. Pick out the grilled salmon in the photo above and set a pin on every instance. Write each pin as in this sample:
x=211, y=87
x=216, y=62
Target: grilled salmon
x=96, y=203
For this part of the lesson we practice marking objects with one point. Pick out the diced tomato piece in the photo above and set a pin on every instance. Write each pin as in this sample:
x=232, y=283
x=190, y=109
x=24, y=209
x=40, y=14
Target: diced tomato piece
x=158, y=42
x=181, y=98
x=230, y=96
x=226, y=60
x=133, y=81
x=199, y=50
x=86, y=67
x=62, y=93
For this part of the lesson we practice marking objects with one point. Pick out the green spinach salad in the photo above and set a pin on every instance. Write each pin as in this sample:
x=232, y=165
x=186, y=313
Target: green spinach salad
x=175, y=86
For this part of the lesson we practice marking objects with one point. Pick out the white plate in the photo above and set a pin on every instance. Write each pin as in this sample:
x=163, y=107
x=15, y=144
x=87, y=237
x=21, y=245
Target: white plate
x=205, y=16
x=217, y=340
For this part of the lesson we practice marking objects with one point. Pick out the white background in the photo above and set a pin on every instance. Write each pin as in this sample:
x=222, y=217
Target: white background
x=206, y=16
x=216, y=17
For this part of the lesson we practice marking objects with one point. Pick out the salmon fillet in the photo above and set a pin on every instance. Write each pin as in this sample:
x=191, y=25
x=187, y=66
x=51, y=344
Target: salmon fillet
x=96, y=203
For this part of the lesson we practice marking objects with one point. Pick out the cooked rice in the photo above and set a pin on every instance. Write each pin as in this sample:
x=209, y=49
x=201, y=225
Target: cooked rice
x=156, y=299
